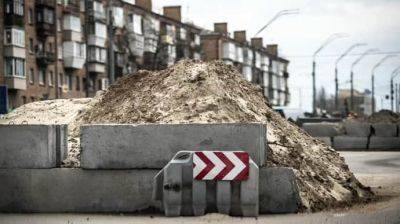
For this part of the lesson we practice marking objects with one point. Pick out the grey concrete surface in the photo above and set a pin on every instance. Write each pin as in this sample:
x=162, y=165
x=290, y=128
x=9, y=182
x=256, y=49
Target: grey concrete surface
x=385, y=130
x=384, y=143
x=322, y=129
x=348, y=142
x=139, y=146
x=32, y=146
x=75, y=190
x=326, y=140
x=278, y=191
x=357, y=129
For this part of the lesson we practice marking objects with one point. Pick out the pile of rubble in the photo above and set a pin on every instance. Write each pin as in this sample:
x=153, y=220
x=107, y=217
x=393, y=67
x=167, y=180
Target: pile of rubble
x=384, y=116
x=197, y=92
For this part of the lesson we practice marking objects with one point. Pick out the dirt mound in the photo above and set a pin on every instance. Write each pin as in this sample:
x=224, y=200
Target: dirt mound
x=384, y=116
x=196, y=92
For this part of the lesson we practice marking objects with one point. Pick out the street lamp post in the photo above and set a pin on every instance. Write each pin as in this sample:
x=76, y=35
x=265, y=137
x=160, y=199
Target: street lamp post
x=336, y=71
x=394, y=74
x=325, y=43
x=278, y=15
x=352, y=75
x=373, y=78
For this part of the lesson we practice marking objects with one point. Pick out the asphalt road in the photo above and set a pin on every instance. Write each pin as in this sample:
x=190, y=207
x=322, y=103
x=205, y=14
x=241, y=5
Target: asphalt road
x=380, y=170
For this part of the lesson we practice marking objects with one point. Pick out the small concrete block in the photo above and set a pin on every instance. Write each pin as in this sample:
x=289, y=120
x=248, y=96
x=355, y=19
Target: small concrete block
x=28, y=146
x=75, y=190
x=357, y=129
x=153, y=145
x=382, y=143
x=347, y=142
x=326, y=140
x=322, y=129
x=279, y=192
x=385, y=130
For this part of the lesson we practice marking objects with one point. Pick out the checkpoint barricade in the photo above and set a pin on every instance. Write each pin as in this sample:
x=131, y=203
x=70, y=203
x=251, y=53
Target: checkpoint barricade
x=194, y=183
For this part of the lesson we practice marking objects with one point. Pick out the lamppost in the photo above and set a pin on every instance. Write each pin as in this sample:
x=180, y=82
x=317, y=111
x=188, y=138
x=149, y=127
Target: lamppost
x=352, y=47
x=279, y=14
x=324, y=44
x=394, y=74
x=352, y=74
x=373, y=78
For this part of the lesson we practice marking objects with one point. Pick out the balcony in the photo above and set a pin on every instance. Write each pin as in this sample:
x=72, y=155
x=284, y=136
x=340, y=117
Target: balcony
x=94, y=40
x=96, y=67
x=72, y=8
x=15, y=82
x=74, y=62
x=14, y=51
x=45, y=58
x=45, y=29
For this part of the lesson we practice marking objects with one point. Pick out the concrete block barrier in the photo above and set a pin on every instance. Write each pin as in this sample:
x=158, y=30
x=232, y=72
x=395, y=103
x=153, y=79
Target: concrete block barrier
x=326, y=140
x=279, y=192
x=385, y=130
x=32, y=146
x=382, y=143
x=351, y=143
x=357, y=129
x=153, y=145
x=75, y=190
x=322, y=129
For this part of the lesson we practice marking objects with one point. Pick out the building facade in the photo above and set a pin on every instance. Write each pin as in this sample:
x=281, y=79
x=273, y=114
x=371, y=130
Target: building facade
x=259, y=64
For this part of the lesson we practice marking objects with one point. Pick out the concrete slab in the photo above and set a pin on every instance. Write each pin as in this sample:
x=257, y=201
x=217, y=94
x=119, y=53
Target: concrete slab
x=326, y=140
x=153, y=145
x=322, y=129
x=32, y=146
x=75, y=190
x=385, y=130
x=278, y=191
x=348, y=142
x=357, y=129
x=382, y=143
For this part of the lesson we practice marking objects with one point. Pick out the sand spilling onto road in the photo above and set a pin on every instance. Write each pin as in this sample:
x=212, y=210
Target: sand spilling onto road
x=197, y=92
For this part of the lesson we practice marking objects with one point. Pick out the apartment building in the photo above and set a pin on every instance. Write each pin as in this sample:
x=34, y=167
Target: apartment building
x=259, y=64
x=74, y=48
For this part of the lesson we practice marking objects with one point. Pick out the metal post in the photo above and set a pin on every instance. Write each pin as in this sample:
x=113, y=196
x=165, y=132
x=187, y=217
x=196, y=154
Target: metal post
x=396, y=100
x=314, y=90
x=373, y=92
x=56, y=52
x=336, y=90
x=87, y=75
x=391, y=94
x=352, y=90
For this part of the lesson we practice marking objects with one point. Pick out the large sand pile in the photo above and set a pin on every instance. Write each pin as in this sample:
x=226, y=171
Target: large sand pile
x=384, y=116
x=195, y=92
x=205, y=93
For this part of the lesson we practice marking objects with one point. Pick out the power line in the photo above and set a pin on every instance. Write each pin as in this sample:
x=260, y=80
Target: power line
x=337, y=55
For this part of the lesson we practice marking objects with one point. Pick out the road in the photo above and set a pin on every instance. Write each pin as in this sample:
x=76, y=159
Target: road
x=380, y=170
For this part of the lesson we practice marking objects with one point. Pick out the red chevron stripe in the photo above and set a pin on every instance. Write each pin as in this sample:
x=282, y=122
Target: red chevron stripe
x=244, y=157
x=228, y=165
x=210, y=166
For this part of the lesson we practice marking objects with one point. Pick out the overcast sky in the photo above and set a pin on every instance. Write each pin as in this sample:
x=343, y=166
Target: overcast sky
x=375, y=22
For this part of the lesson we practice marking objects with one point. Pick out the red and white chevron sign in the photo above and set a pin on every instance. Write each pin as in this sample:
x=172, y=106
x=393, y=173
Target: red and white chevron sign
x=215, y=165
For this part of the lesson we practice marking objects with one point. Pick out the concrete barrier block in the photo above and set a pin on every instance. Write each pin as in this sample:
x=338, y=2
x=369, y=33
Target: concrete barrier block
x=357, y=129
x=322, y=129
x=28, y=146
x=278, y=191
x=385, y=130
x=348, y=142
x=75, y=190
x=153, y=145
x=326, y=140
x=387, y=143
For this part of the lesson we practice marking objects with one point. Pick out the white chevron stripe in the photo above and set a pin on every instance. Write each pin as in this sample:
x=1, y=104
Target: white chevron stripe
x=200, y=165
x=219, y=165
x=238, y=166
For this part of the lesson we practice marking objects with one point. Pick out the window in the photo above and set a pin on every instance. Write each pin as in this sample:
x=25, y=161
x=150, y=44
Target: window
x=59, y=25
x=68, y=81
x=97, y=54
x=118, y=16
x=14, y=67
x=42, y=77
x=136, y=23
x=98, y=29
x=45, y=16
x=14, y=36
x=30, y=16
x=31, y=76
x=31, y=46
x=78, y=83
x=98, y=9
x=51, y=78
x=60, y=80
x=17, y=6
x=72, y=23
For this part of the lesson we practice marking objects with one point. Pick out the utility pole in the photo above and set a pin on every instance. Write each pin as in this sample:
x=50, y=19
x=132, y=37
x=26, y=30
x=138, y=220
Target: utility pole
x=57, y=89
x=111, y=53
x=396, y=99
x=324, y=44
x=373, y=78
x=336, y=71
x=277, y=16
x=87, y=31
x=394, y=74
x=352, y=75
